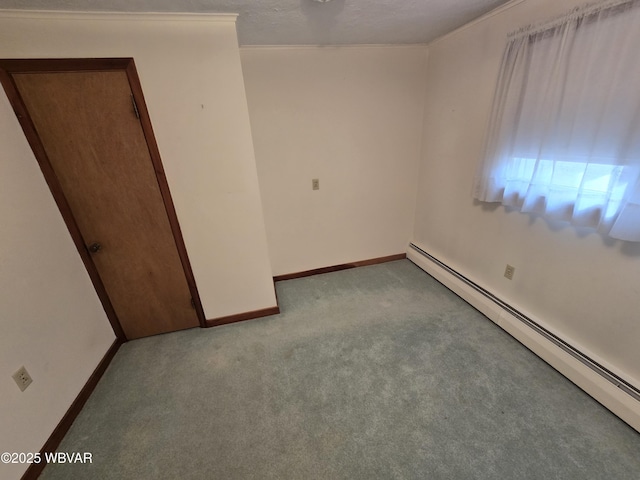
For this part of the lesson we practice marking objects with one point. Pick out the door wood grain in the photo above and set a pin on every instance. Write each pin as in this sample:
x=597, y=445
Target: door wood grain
x=95, y=143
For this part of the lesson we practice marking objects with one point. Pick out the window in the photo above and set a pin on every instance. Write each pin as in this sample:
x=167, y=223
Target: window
x=564, y=133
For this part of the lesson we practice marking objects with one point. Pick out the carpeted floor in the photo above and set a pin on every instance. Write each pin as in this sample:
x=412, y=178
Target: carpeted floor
x=372, y=373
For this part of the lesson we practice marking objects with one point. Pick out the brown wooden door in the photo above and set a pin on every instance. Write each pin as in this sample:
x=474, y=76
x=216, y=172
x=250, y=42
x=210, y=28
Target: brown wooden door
x=94, y=141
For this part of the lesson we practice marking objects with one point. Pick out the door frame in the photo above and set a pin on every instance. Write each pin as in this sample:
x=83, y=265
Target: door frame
x=8, y=67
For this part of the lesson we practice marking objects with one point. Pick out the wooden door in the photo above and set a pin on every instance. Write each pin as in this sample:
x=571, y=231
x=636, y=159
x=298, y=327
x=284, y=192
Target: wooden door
x=88, y=125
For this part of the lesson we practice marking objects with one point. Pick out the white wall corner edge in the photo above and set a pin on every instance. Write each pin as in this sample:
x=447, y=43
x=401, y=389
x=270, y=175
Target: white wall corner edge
x=610, y=396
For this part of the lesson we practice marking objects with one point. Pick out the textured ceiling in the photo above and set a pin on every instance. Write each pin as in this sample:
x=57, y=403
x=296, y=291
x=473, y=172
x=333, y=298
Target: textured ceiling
x=306, y=22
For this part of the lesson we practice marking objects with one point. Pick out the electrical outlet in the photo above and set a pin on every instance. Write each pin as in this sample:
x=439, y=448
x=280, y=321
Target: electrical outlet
x=22, y=378
x=509, y=271
x=315, y=184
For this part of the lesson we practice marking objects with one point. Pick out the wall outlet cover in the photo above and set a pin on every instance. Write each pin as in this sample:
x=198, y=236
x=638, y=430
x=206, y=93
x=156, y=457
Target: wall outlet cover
x=509, y=271
x=22, y=378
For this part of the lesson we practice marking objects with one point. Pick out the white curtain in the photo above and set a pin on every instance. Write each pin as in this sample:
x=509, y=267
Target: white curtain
x=564, y=133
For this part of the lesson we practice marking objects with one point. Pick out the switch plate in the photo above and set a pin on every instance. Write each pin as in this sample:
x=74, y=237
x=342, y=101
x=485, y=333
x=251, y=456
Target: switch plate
x=22, y=378
x=315, y=184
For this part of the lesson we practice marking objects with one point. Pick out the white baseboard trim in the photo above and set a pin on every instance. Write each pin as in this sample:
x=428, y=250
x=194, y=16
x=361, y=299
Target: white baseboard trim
x=611, y=396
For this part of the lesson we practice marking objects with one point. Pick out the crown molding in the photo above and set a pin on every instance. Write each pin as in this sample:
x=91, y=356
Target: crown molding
x=120, y=16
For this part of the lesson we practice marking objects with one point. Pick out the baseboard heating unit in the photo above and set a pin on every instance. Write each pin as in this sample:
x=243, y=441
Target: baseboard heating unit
x=614, y=392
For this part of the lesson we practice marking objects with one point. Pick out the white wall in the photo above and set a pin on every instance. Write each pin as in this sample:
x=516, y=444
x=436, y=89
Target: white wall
x=190, y=71
x=51, y=319
x=351, y=117
x=582, y=286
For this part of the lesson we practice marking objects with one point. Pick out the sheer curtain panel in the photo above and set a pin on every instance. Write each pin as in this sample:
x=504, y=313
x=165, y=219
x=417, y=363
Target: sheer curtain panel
x=564, y=132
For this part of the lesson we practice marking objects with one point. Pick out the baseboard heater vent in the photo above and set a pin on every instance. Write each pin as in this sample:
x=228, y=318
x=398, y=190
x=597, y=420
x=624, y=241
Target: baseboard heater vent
x=574, y=352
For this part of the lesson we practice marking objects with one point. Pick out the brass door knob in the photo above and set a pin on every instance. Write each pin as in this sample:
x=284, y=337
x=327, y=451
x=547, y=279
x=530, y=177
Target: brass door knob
x=95, y=247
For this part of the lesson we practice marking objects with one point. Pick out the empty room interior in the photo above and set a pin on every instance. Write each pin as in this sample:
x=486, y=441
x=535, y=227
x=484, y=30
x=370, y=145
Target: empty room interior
x=357, y=240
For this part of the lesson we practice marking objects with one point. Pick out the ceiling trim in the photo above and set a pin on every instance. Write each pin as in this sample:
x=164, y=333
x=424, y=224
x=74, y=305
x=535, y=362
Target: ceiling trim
x=482, y=18
x=333, y=47
x=120, y=16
